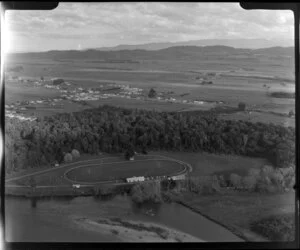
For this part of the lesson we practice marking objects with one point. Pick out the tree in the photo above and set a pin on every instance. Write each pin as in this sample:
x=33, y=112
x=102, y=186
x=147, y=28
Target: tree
x=129, y=153
x=242, y=106
x=75, y=153
x=152, y=93
x=68, y=157
x=291, y=113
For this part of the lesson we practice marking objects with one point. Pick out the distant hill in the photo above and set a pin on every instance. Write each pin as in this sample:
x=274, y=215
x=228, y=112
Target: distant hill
x=171, y=53
x=236, y=43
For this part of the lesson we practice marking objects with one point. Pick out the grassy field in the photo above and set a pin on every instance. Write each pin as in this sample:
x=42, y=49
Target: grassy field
x=20, y=92
x=208, y=164
x=260, y=117
x=238, y=211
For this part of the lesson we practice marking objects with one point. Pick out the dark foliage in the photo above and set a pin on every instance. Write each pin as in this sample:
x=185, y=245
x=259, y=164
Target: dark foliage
x=152, y=93
x=117, y=130
x=276, y=228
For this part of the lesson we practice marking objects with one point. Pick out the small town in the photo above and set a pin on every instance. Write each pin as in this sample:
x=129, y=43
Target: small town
x=78, y=94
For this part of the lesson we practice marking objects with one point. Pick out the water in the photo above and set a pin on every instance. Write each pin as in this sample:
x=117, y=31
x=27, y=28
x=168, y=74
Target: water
x=51, y=220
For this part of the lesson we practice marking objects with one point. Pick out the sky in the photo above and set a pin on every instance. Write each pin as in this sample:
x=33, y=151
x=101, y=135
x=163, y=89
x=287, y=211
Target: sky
x=75, y=26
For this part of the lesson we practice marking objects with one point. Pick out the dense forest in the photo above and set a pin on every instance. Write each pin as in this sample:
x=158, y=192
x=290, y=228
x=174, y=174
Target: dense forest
x=114, y=130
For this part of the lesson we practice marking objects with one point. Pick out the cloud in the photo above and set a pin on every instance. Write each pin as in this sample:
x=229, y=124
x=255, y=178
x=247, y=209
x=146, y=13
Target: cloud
x=108, y=23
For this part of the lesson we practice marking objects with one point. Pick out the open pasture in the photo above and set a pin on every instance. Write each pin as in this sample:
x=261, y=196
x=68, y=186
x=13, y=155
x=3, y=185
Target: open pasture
x=260, y=117
x=209, y=164
x=18, y=92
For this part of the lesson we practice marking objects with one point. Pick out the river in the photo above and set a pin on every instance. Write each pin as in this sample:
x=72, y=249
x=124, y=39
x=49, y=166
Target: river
x=50, y=220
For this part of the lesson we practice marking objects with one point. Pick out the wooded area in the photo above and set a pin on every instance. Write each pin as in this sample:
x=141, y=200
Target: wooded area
x=114, y=130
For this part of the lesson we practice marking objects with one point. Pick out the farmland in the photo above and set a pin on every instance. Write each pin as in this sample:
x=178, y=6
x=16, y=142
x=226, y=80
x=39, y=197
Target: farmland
x=236, y=78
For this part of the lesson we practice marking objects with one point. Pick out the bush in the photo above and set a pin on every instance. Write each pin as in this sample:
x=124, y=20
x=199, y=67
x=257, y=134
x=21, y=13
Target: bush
x=235, y=180
x=254, y=172
x=146, y=191
x=152, y=93
x=249, y=182
x=203, y=184
x=276, y=228
x=75, y=153
x=222, y=181
x=68, y=157
x=242, y=106
x=129, y=153
x=289, y=171
x=290, y=182
x=277, y=179
x=267, y=170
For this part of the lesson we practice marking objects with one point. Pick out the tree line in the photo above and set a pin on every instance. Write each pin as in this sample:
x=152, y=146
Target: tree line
x=115, y=130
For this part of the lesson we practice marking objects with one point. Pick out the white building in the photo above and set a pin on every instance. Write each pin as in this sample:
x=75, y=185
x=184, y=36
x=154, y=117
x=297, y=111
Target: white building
x=178, y=177
x=135, y=179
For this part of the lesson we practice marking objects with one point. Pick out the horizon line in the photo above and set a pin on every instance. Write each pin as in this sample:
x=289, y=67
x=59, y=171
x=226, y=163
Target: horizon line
x=99, y=48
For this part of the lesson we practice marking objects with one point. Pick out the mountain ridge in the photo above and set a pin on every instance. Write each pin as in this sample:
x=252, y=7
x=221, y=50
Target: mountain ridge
x=236, y=43
x=167, y=53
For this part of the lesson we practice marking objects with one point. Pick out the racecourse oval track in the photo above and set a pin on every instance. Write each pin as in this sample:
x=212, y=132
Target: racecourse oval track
x=106, y=172
x=142, y=165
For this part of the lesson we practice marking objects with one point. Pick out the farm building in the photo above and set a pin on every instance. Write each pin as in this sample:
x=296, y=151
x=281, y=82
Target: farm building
x=135, y=179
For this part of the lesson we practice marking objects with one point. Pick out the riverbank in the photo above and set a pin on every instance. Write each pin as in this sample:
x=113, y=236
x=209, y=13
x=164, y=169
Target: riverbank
x=237, y=211
x=134, y=231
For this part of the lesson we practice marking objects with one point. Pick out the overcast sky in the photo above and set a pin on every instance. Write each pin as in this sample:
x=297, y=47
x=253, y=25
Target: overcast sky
x=88, y=25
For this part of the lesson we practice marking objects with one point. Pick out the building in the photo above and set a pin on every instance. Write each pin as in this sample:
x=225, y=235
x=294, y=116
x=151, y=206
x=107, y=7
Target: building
x=178, y=177
x=135, y=179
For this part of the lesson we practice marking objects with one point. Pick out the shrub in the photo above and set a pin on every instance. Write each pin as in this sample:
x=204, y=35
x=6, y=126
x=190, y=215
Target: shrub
x=129, y=153
x=291, y=113
x=289, y=171
x=222, y=181
x=267, y=170
x=75, y=153
x=290, y=182
x=276, y=228
x=254, y=172
x=152, y=93
x=277, y=178
x=242, y=106
x=204, y=184
x=249, y=182
x=235, y=180
x=143, y=192
x=68, y=157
